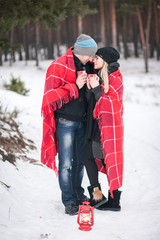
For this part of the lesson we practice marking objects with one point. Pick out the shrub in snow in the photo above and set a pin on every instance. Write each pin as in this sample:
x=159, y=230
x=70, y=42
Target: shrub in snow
x=17, y=86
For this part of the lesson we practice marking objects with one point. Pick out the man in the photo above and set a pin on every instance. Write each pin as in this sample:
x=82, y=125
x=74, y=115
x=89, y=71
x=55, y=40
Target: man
x=64, y=114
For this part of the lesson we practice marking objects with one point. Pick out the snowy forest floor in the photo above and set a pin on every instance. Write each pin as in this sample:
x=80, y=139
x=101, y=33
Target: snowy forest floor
x=30, y=199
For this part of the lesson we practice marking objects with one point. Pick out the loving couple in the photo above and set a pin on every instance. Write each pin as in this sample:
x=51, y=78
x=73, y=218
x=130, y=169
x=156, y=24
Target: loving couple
x=83, y=123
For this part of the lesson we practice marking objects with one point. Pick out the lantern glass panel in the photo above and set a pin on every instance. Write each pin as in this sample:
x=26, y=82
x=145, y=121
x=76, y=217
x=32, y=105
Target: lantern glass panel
x=85, y=217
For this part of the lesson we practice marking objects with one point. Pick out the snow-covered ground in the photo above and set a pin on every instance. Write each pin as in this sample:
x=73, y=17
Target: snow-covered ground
x=31, y=208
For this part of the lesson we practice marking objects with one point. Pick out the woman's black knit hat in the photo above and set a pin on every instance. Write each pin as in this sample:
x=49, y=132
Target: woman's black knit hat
x=108, y=54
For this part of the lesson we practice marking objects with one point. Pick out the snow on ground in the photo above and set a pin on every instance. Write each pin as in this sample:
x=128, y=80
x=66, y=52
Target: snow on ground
x=31, y=208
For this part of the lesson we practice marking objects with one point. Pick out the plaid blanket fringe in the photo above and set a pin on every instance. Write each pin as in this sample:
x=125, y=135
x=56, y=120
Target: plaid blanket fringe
x=57, y=92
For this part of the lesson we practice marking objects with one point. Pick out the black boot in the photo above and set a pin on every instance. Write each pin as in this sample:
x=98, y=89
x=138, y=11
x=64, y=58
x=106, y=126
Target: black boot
x=113, y=204
x=96, y=196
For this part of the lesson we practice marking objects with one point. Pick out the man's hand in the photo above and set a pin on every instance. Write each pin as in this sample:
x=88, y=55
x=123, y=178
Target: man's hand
x=81, y=80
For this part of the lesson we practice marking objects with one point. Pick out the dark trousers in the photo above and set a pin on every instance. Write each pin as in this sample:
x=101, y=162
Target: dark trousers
x=90, y=165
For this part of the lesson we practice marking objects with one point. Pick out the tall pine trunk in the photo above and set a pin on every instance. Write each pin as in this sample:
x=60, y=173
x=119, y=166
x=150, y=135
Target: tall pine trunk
x=114, y=24
x=80, y=25
x=37, y=43
x=20, y=54
x=102, y=24
x=90, y=25
x=1, y=63
x=135, y=37
x=145, y=40
x=58, y=40
x=155, y=9
x=50, y=44
x=12, y=54
x=25, y=42
x=124, y=35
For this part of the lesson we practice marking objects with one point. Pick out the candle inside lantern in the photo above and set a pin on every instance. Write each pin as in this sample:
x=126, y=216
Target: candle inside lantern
x=85, y=217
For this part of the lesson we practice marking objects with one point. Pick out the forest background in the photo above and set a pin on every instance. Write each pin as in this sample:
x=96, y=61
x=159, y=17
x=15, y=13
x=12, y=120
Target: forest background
x=37, y=29
x=34, y=32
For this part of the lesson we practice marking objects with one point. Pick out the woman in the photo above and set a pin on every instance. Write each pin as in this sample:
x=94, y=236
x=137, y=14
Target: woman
x=104, y=151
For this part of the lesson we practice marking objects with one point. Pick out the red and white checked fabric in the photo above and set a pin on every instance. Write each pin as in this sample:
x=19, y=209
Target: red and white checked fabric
x=109, y=114
x=59, y=89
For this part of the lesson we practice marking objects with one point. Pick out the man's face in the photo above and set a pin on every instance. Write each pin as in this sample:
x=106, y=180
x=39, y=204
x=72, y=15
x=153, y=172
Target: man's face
x=85, y=59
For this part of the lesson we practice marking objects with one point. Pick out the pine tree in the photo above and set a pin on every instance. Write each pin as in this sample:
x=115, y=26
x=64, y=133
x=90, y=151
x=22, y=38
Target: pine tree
x=48, y=12
x=144, y=29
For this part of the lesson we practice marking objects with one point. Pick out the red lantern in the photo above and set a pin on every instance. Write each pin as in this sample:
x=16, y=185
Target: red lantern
x=85, y=217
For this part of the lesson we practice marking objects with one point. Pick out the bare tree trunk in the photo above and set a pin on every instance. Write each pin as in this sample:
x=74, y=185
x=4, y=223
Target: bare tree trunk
x=19, y=39
x=142, y=37
x=37, y=43
x=50, y=44
x=135, y=37
x=80, y=25
x=1, y=63
x=58, y=39
x=126, y=54
x=144, y=41
x=102, y=25
x=20, y=54
x=114, y=25
x=70, y=31
x=25, y=42
x=155, y=4
x=89, y=21
x=148, y=25
x=75, y=29
x=12, y=57
x=147, y=33
x=108, y=27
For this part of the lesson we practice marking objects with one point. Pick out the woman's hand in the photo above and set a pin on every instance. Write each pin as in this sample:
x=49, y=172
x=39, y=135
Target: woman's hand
x=88, y=83
x=94, y=81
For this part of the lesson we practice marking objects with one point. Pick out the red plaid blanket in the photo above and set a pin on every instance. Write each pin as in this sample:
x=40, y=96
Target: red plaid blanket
x=108, y=112
x=59, y=89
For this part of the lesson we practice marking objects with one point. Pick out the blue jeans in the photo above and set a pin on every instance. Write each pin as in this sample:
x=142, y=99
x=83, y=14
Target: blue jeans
x=71, y=141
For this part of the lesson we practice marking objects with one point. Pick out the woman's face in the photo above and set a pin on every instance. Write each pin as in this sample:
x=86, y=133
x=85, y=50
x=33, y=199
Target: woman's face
x=98, y=62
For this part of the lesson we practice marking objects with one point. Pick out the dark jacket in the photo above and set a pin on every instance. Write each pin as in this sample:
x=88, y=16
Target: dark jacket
x=76, y=109
x=93, y=132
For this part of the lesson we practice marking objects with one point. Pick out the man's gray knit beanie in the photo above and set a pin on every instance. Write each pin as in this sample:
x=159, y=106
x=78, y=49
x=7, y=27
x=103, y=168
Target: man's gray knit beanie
x=85, y=45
